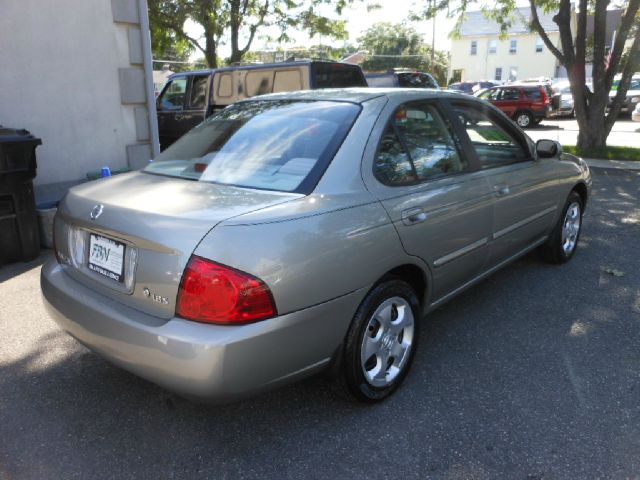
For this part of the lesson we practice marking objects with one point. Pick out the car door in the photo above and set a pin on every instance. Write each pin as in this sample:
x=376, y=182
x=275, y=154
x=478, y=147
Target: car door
x=525, y=188
x=508, y=100
x=195, y=109
x=441, y=208
x=170, y=108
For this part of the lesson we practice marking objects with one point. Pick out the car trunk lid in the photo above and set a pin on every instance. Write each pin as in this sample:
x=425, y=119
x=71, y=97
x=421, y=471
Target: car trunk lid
x=130, y=236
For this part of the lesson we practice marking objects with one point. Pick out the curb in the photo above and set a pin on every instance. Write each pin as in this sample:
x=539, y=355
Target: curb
x=615, y=164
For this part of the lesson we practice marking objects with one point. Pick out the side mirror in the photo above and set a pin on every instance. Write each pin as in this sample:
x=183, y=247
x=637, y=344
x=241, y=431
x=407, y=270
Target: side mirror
x=548, y=148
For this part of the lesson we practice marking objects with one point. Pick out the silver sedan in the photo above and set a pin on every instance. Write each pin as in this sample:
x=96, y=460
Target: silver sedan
x=299, y=232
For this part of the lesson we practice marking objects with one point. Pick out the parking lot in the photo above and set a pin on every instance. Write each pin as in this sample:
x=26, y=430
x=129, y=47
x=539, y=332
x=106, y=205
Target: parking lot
x=532, y=374
x=624, y=133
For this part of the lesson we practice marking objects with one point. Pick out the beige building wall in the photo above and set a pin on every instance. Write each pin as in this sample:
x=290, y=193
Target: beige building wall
x=482, y=66
x=77, y=74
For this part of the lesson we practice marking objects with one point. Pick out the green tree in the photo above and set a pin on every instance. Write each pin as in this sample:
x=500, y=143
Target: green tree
x=399, y=45
x=594, y=114
x=238, y=21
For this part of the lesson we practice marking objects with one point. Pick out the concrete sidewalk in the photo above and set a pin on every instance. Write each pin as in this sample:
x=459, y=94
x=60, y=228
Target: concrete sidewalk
x=617, y=164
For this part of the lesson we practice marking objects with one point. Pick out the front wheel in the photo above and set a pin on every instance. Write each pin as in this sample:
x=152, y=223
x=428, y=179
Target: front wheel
x=381, y=341
x=563, y=241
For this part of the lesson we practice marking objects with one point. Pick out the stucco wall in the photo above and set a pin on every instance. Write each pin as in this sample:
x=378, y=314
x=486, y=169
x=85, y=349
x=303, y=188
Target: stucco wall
x=530, y=64
x=61, y=64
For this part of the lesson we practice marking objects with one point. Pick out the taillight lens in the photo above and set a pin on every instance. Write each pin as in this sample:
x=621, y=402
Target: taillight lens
x=210, y=292
x=545, y=96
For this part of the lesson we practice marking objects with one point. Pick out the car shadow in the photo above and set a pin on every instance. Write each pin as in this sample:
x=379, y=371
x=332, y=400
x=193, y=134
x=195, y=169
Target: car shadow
x=15, y=269
x=532, y=364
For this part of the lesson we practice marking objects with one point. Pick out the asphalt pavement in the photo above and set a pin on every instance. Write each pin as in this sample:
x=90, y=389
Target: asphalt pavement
x=532, y=374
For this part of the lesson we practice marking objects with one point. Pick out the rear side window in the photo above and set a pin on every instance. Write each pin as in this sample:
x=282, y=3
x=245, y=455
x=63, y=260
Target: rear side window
x=417, y=145
x=533, y=93
x=337, y=75
x=495, y=144
x=198, y=94
x=279, y=145
x=416, y=80
x=510, y=94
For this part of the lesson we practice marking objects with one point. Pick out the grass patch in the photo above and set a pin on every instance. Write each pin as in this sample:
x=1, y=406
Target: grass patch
x=607, y=153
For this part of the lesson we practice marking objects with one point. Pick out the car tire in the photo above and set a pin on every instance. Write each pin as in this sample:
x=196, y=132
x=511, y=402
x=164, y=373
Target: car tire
x=563, y=242
x=385, y=327
x=523, y=119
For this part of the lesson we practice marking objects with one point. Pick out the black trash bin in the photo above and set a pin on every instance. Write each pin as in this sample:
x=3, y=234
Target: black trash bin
x=19, y=237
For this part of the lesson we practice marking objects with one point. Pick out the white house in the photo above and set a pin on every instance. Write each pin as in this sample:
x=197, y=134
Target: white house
x=482, y=53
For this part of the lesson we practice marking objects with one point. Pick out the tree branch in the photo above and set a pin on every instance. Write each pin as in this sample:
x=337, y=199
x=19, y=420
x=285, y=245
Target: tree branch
x=627, y=73
x=621, y=38
x=535, y=23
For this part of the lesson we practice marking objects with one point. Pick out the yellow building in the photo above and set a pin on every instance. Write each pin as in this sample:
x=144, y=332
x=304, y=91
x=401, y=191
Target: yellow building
x=481, y=54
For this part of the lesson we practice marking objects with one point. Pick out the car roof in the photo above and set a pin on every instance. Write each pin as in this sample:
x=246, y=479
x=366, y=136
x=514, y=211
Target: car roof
x=258, y=66
x=360, y=94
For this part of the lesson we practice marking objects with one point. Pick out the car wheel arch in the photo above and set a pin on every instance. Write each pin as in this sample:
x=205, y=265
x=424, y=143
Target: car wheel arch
x=415, y=276
x=581, y=189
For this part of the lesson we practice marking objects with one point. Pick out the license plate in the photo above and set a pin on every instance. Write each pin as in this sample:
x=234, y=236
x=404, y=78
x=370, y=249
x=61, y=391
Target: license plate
x=106, y=257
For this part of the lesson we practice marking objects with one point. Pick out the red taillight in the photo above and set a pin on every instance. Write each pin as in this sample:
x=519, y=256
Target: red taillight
x=210, y=292
x=545, y=96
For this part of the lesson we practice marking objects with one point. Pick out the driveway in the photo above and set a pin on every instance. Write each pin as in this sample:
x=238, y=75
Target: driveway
x=534, y=373
x=624, y=133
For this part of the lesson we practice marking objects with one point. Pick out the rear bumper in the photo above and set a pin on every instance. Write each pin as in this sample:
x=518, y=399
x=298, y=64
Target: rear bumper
x=196, y=360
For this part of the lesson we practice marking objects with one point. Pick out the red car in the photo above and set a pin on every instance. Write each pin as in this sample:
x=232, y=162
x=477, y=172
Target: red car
x=526, y=105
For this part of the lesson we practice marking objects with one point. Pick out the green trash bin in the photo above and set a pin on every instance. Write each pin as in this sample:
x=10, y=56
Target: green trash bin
x=19, y=237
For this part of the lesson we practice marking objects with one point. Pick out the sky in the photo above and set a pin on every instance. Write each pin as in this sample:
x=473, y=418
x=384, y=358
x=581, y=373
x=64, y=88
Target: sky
x=358, y=21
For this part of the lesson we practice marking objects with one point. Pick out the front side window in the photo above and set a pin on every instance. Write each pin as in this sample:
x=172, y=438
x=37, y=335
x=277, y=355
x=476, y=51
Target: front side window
x=513, y=46
x=494, y=143
x=417, y=145
x=174, y=94
x=279, y=145
x=474, y=47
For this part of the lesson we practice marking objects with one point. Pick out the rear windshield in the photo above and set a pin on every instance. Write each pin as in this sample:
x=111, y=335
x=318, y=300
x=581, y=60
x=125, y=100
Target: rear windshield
x=416, y=80
x=279, y=145
x=336, y=75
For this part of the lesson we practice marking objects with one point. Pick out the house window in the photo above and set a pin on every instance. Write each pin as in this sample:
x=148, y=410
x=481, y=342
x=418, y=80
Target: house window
x=474, y=47
x=513, y=74
x=498, y=76
x=493, y=46
x=539, y=45
x=513, y=46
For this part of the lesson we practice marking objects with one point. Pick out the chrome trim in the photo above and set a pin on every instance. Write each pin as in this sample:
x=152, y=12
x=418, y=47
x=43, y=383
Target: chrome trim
x=522, y=223
x=485, y=274
x=458, y=253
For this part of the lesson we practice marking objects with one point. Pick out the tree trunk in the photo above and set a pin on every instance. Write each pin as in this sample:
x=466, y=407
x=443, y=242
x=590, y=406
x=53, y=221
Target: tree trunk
x=592, y=135
x=210, y=53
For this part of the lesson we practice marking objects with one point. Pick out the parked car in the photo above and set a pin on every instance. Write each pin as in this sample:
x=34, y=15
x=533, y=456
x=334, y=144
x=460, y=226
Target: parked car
x=402, y=78
x=632, y=98
x=470, y=88
x=635, y=115
x=566, y=107
x=526, y=105
x=299, y=232
x=190, y=97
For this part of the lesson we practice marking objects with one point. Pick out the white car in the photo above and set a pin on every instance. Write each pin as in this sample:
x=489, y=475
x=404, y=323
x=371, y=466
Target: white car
x=635, y=115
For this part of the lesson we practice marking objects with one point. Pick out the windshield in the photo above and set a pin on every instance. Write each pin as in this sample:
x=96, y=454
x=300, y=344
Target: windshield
x=634, y=85
x=280, y=145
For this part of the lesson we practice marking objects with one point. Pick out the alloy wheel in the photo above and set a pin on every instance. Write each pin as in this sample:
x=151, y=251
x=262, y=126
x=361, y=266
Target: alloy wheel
x=387, y=342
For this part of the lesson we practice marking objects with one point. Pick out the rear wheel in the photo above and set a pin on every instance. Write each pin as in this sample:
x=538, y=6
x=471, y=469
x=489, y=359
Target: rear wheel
x=563, y=241
x=381, y=341
x=524, y=119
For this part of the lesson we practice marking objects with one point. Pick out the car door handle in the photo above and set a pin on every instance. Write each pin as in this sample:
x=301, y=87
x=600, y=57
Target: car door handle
x=411, y=216
x=501, y=190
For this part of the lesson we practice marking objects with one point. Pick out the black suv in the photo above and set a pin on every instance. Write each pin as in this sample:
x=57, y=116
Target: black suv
x=190, y=97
